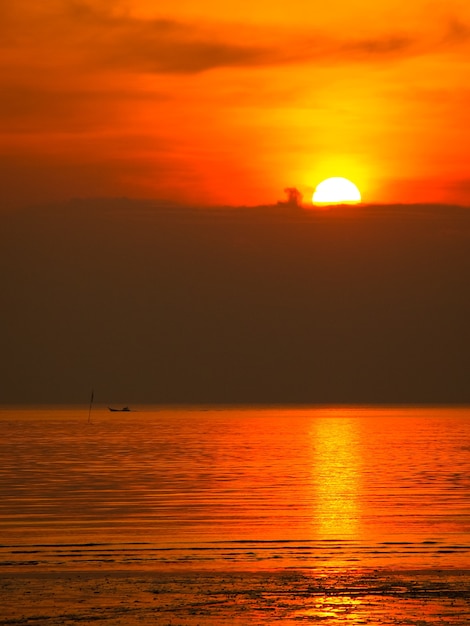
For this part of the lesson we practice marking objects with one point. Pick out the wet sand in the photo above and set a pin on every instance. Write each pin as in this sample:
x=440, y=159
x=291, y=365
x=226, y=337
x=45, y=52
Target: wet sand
x=186, y=597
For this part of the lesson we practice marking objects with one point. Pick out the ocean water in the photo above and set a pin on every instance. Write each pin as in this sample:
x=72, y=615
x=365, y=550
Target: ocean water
x=249, y=487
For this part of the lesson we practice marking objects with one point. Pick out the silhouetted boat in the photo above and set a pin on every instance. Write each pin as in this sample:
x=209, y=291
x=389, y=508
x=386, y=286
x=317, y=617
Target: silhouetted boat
x=124, y=409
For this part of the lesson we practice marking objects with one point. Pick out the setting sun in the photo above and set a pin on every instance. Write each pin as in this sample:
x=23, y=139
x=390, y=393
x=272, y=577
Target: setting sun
x=336, y=191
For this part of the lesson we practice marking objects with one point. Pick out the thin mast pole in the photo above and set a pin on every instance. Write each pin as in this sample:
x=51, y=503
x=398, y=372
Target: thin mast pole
x=91, y=404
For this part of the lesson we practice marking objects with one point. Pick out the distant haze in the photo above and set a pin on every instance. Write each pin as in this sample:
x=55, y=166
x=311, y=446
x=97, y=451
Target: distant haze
x=155, y=303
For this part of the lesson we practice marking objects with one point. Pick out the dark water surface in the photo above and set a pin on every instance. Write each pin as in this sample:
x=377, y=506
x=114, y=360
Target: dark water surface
x=288, y=487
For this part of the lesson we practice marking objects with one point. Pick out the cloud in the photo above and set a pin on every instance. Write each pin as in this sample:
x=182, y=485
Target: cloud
x=389, y=45
x=457, y=33
x=370, y=302
x=104, y=35
x=166, y=46
x=170, y=47
x=70, y=108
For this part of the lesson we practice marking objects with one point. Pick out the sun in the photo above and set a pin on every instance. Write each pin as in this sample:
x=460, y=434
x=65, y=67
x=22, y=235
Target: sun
x=336, y=191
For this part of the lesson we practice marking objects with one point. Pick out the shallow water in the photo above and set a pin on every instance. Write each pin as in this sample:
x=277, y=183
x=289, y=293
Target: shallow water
x=259, y=487
x=185, y=597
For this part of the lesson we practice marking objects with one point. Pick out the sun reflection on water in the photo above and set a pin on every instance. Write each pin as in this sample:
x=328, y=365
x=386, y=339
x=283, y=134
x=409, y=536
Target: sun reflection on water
x=334, y=608
x=336, y=463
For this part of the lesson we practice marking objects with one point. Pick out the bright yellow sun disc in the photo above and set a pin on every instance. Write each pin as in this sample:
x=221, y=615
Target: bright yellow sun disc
x=336, y=191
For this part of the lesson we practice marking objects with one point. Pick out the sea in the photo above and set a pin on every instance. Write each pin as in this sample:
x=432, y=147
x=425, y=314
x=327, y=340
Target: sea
x=242, y=487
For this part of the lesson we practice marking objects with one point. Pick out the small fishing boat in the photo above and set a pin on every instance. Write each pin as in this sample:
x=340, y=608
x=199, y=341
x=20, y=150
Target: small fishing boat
x=125, y=409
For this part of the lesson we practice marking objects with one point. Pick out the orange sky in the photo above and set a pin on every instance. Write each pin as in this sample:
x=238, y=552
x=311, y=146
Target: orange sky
x=212, y=102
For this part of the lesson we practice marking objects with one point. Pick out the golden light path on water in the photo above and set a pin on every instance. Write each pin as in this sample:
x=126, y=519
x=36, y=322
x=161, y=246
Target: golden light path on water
x=335, y=476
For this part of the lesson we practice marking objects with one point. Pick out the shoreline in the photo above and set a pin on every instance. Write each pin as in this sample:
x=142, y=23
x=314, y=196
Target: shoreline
x=180, y=596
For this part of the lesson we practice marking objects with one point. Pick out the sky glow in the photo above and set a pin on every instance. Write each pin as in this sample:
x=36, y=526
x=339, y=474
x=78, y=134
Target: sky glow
x=232, y=102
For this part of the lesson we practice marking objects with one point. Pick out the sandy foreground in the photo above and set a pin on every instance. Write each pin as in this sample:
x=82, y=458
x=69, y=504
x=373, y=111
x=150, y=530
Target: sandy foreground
x=180, y=597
